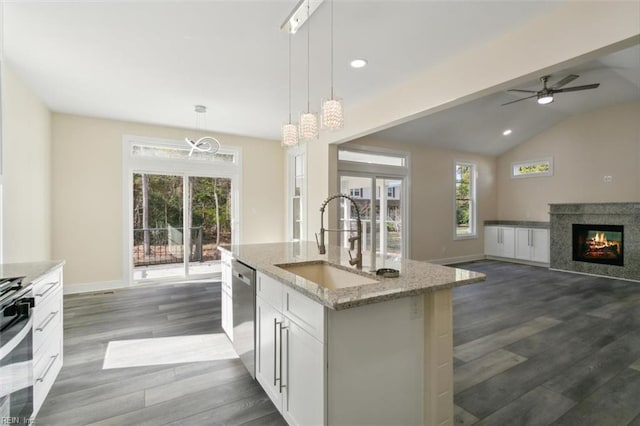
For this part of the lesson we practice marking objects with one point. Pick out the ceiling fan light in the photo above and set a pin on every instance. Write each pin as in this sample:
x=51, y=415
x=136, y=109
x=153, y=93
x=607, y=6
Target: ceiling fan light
x=544, y=99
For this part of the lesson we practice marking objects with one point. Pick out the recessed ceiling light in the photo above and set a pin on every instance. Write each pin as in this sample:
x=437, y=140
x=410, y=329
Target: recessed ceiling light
x=358, y=63
x=507, y=132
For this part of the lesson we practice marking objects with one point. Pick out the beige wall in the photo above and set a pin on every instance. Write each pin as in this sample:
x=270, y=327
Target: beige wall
x=432, y=195
x=87, y=192
x=584, y=148
x=26, y=217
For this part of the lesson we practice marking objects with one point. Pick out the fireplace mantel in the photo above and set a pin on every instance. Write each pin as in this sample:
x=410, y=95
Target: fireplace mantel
x=564, y=216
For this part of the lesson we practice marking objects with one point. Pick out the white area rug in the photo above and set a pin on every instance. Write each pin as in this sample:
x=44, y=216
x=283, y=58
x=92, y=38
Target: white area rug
x=167, y=350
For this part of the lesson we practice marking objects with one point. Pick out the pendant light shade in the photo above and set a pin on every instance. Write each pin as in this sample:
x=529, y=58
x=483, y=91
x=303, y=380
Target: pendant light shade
x=309, y=125
x=332, y=111
x=309, y=128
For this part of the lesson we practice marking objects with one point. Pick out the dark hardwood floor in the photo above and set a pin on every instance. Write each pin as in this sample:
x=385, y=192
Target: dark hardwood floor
x=532, y=347
x=540, y=347
x=198, y=393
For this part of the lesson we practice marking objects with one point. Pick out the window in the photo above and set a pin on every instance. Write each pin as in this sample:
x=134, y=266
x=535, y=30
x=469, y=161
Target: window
x=532, y=168
x=297, y=191
x=355, y=192
x=369, y=158
x=465, y=209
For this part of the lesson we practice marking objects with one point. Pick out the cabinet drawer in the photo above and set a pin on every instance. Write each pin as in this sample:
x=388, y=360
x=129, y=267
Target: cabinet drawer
x=45, y=286
x=46, y=367
x=307, y=313
x=47, y=320
x=270, y=290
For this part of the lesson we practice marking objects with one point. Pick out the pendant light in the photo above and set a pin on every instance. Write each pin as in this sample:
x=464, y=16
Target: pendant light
x=289, y=130
x=308, y=120
x=332, y=117
x=206, y=143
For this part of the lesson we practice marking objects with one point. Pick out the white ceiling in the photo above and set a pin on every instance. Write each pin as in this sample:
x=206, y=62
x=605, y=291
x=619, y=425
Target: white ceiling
x=151, y=61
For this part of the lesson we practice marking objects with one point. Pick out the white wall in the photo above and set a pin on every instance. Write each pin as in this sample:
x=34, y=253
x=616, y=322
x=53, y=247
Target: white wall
x=87, y=192
x=584, y=148
x=26, y=158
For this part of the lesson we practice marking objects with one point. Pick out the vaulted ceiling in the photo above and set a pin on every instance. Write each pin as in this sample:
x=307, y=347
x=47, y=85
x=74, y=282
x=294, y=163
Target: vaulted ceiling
x=152, y=61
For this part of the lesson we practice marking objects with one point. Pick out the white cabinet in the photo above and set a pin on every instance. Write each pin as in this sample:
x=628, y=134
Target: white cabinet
x=289, y=357
x=532, y=244
x=226, y=297
x=47, y=334
x=499, y=241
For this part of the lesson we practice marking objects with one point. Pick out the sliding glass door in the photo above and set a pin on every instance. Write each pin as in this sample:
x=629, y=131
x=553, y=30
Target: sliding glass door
x=176, y=235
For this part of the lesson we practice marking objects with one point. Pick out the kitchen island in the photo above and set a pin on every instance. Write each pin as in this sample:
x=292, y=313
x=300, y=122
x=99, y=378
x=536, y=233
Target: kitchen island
x=362, y=349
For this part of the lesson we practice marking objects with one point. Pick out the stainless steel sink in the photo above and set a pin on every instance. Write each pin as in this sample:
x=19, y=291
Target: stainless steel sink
x=327, y=275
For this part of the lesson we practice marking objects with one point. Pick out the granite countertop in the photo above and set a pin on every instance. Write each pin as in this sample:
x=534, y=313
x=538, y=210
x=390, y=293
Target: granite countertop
x=415, y=277
x=518, y=223
x=30, y=270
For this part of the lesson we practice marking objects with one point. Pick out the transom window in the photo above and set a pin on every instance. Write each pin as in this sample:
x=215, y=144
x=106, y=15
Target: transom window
x=543, y=167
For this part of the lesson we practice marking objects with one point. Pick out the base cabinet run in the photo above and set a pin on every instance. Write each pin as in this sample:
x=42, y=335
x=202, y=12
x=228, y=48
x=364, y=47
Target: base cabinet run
x=529, y=244
x=326, y=367
x=289, y=360
x=47, y=335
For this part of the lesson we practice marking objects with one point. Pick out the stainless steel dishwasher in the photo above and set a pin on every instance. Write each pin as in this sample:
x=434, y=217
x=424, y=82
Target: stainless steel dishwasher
x=243, y=287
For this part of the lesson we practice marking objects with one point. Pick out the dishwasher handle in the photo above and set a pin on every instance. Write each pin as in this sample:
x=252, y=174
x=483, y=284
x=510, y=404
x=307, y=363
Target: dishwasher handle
x=242, y=272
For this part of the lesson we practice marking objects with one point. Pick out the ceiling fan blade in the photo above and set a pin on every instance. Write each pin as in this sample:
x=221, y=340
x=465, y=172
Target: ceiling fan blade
x=522, y=90
x=521, y=99
x=568, y=79
x=576, y=88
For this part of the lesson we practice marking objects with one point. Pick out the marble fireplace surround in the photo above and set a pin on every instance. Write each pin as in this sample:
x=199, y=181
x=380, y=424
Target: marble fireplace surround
x=563, y=216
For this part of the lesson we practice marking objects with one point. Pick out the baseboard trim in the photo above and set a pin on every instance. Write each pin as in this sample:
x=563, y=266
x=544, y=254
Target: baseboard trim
x=93, y=287
x=458, y=259
x=514, y=260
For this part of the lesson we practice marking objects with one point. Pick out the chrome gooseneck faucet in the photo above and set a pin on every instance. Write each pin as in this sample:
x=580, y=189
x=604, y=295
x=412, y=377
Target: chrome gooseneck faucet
x=357, y=239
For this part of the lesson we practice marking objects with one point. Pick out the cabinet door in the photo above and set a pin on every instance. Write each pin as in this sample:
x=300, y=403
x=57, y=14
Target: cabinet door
x=508, y=242
x=304, y=395
x=491, y=247
x=540, y=245
x=523, y=243
x=269, y=350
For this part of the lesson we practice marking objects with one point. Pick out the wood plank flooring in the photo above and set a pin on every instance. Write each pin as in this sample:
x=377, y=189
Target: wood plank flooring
x=532, y=346
x=541, y=347
x=199, y=393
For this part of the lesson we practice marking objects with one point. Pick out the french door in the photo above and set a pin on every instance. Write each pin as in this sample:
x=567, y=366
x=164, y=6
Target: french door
x=381, y=202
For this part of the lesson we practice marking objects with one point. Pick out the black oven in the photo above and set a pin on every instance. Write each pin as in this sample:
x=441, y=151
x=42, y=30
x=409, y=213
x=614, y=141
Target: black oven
x=16, y=352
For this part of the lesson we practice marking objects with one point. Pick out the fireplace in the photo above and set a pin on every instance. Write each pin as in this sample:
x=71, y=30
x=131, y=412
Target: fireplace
x=598, y=244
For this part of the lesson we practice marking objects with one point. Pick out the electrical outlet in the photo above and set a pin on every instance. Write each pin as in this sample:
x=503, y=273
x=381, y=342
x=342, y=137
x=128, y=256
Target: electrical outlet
x=608, y=179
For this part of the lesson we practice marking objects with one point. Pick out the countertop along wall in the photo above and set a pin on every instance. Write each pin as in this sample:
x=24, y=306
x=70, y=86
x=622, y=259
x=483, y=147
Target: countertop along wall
x=584, y=148
x=87, y=192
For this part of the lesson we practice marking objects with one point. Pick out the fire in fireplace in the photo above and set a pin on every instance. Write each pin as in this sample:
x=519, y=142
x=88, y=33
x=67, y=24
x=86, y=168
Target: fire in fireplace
x=598, y=244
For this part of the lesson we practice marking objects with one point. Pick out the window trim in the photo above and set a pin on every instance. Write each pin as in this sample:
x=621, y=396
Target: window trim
x=517, y=164
x=472, y=198
x=292, y=153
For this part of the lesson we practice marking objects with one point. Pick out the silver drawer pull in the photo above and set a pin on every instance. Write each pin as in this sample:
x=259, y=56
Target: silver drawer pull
x=46, y=322
x=51, y=362
x=50, y=287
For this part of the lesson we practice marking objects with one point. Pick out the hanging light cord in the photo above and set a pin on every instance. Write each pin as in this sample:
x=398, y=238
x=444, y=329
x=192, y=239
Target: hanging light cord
x=308, y=55
x=289, y=78
x=331, y=49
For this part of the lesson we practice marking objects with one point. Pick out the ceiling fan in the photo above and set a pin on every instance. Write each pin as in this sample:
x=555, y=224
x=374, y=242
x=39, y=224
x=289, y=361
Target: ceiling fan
x=545, y=96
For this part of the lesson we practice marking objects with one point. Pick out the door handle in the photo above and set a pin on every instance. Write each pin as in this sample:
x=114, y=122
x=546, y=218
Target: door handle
x=46, y=322
x=50, y=287
x=275, y=350
x=287, y=329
